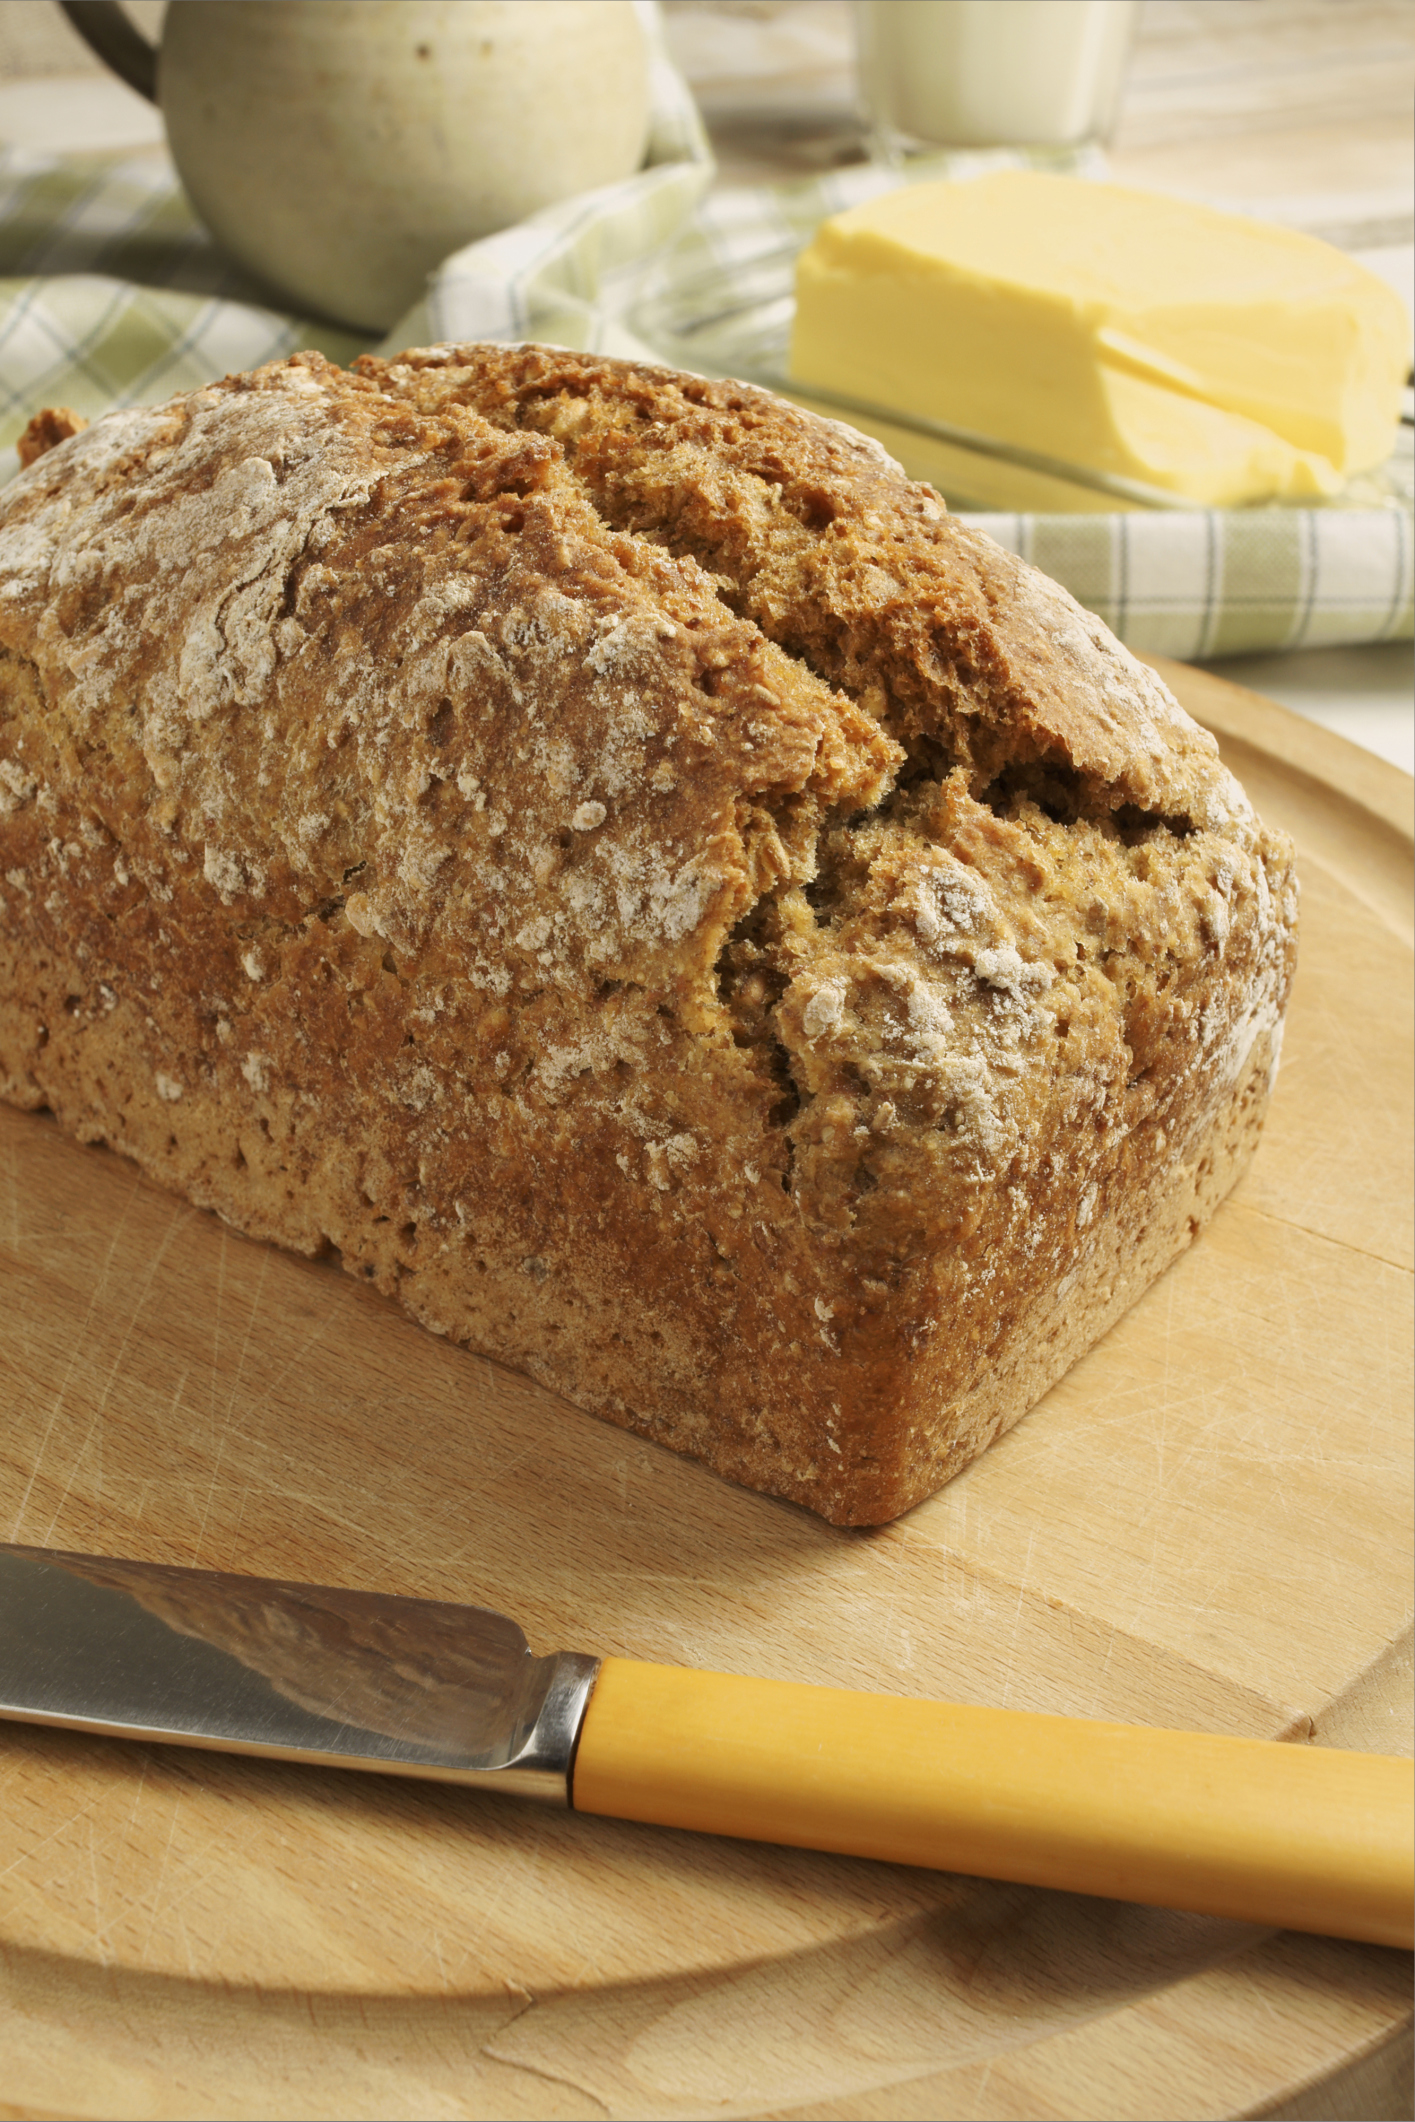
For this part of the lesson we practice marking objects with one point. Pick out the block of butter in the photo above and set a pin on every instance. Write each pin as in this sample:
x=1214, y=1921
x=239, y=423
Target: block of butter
x=1223, y=359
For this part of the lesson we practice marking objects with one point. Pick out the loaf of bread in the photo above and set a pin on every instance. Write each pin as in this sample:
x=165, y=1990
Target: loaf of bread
x=609, y=857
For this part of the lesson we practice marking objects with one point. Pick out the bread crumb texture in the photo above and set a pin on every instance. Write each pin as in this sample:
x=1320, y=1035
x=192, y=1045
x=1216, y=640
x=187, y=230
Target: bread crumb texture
x=609, y=857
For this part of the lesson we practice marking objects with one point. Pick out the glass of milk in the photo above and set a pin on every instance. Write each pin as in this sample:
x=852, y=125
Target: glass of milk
x=990, y=73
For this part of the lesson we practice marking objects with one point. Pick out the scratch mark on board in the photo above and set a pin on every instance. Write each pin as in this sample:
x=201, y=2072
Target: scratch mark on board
x=181, y=1216
x=80, y=1342
x=228, y=1420
x=161, y=1876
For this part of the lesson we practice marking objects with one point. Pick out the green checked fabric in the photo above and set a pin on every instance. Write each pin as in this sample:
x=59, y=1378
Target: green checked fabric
x=1219, y=582
x=111, y=293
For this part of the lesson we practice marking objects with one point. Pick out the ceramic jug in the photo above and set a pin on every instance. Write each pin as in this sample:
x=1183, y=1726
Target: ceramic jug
x=341, y=148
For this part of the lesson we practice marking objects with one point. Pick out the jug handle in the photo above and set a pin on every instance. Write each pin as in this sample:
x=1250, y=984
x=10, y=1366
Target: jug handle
x=118, y=42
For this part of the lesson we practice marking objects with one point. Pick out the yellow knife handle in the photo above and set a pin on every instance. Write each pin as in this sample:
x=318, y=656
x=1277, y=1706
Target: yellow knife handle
x=1303, y=1837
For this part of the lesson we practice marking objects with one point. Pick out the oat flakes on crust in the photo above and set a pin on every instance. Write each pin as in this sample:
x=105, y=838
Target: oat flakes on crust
x=610, y=856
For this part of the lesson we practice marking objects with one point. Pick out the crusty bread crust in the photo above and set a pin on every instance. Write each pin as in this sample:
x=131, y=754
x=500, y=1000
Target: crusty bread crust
x=611, y=857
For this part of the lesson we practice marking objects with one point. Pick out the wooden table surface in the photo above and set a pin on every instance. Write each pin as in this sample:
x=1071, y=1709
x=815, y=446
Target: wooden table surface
x=1302, y=104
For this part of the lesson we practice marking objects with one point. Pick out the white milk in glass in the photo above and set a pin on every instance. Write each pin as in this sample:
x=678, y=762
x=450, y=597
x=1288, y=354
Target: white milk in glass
x=986, y=73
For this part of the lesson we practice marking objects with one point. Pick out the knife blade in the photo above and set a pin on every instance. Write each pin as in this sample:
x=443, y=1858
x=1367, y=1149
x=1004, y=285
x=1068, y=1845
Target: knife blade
x=1300, y=1837
x=302, y=1672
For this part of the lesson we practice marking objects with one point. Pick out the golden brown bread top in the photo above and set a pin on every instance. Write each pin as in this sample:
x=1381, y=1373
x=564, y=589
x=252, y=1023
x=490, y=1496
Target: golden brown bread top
x=676, y=723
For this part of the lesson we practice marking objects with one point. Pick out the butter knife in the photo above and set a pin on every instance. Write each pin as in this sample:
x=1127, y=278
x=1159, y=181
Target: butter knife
x=1303, y=1837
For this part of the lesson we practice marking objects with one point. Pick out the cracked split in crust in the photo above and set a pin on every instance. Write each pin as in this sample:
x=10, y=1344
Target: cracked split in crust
x=609, y=856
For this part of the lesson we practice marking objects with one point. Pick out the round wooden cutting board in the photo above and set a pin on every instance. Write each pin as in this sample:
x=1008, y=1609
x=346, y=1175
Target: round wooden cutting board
x=1206, y=1523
